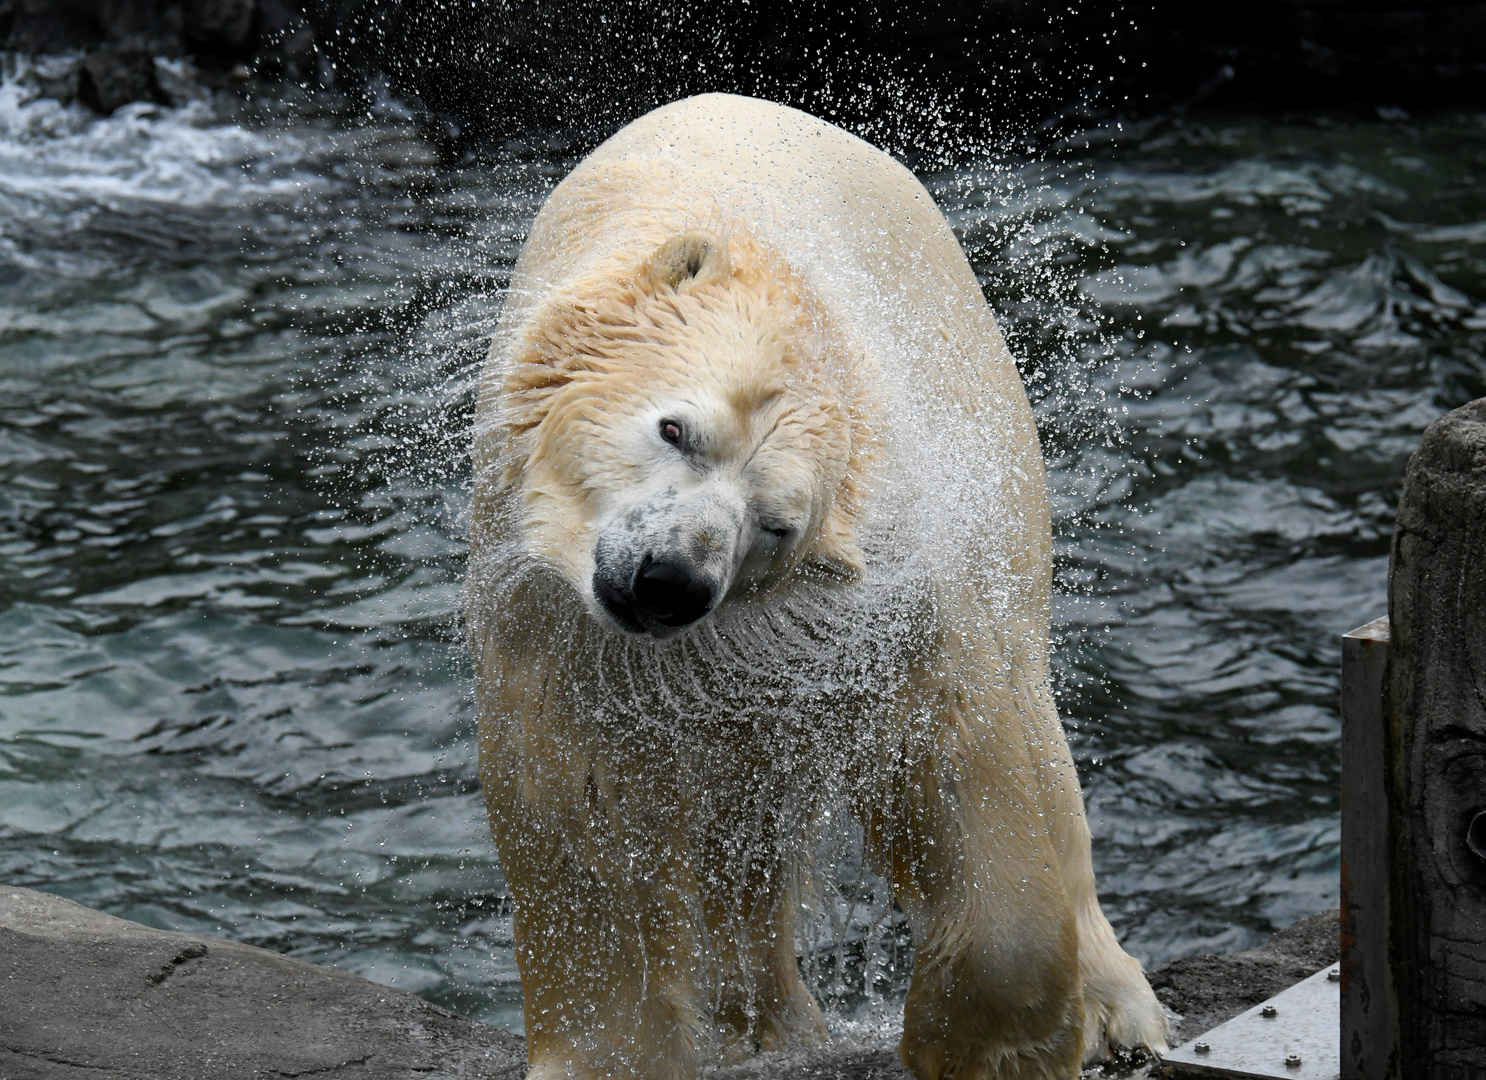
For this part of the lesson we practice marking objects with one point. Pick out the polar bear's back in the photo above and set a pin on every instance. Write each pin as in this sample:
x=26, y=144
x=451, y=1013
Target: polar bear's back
x=856, y=223
x=867, y=237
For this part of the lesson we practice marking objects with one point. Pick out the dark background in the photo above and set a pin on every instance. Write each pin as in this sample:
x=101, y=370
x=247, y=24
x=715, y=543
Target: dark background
x=497, y=68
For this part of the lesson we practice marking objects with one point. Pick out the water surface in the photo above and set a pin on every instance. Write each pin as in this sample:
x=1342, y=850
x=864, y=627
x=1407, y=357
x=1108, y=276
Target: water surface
x=237, y=347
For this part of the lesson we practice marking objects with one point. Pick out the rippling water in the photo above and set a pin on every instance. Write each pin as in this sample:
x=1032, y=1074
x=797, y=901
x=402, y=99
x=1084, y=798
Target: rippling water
x=236, y=353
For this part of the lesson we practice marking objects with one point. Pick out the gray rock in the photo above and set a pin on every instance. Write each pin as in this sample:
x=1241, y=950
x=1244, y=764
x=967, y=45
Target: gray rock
x=226, y=39
x=89, y=995
x=220, y=25
x=113, y=76
x=57, y=26
x=1209, y=989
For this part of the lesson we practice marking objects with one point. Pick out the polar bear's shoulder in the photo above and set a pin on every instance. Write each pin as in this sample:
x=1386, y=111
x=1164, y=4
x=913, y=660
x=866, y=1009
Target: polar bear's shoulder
x=855, y=223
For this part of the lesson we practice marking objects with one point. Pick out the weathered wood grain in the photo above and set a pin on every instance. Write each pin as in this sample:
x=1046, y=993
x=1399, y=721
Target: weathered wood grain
x=1368, y=1021
x=1435, y=707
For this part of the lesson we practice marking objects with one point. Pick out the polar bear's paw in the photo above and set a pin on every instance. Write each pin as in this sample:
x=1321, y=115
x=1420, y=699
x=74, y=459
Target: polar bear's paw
x=1121, y=1011
x=931, y=1061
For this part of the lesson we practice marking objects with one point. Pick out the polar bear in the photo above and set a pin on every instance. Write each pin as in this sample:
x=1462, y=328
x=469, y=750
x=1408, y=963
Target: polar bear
x=760, y=531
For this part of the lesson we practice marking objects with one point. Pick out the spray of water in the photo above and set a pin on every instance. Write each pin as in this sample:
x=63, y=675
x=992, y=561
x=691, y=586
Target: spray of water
x=239, y=349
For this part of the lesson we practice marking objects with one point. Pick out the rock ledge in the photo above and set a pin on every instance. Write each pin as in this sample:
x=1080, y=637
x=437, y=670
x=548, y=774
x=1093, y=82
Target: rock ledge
x=89, y=995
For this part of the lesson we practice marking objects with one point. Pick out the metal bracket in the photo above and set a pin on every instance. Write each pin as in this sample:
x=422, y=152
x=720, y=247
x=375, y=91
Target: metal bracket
x=1293, y=1035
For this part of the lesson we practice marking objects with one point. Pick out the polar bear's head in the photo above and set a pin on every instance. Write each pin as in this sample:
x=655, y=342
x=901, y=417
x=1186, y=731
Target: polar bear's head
x=685, y=430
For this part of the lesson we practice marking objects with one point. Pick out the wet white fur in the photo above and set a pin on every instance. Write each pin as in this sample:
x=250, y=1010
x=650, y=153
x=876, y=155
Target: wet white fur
x=918, y=694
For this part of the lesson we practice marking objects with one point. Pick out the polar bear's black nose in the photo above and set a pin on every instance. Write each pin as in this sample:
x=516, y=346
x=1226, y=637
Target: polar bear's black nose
x=670, y=593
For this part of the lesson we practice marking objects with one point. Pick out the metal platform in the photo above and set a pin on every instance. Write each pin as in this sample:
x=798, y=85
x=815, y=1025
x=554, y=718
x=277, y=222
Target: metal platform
x=1295, y=1035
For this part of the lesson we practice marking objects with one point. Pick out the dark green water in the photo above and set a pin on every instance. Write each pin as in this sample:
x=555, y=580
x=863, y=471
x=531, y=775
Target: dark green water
x=236, y=359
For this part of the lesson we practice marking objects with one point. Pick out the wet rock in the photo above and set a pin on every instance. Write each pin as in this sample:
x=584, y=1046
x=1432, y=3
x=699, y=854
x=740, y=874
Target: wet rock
x=121, y=38
x=287, y=42
x=965, y=65
x=113, y=76
x=87, y=994
x=957, y=67
x=220, y=25
x=1209, y=989
x=56, y=26
x=169, y=28
x=58, y=76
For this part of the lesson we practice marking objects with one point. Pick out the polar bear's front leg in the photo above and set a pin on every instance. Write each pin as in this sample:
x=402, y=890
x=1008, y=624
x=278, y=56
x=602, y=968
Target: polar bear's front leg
x=605, y=995
x=750, y=901
x=604, y=925
x=1120, y=1009
x=996, y=992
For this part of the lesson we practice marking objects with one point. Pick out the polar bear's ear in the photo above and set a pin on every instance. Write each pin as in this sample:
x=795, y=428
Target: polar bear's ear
x=690, y=256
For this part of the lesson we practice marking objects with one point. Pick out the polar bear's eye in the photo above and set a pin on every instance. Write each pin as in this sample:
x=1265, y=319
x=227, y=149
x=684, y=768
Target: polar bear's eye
x=670, y=430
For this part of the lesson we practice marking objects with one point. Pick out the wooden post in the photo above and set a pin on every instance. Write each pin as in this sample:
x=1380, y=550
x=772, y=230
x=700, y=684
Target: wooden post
x=1435, y=711
x=1369, y=1025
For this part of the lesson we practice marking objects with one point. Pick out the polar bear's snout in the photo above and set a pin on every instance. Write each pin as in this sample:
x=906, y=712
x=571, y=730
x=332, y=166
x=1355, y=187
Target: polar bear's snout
x=665, y=565
x=664, y=594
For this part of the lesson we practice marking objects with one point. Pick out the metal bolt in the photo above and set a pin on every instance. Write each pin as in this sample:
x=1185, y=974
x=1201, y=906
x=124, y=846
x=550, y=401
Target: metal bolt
x=1475, y=834
x=1334, y=975
x=1269, y=1012
x=1201, y=1047
x=1293, y=1061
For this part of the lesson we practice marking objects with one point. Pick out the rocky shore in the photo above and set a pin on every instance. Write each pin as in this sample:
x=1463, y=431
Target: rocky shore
x=104, y=52
x=91, y=995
